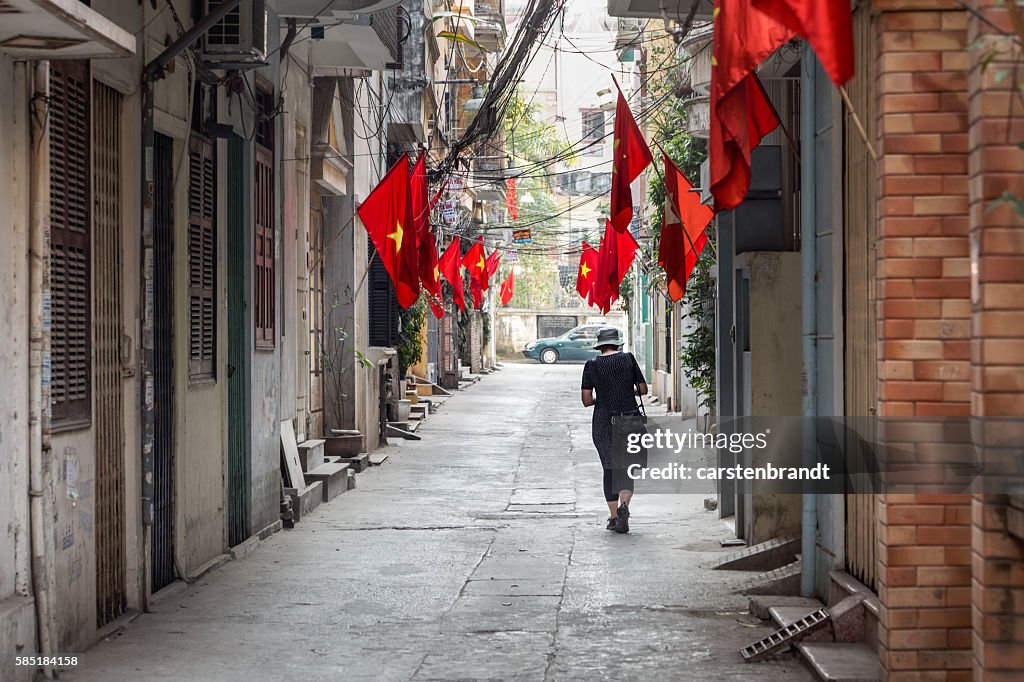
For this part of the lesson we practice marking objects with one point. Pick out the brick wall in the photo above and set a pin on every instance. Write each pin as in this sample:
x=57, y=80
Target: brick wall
x=996, y=117
x=924, y=345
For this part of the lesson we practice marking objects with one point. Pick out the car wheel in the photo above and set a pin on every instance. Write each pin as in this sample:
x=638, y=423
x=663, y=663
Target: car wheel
x=549, y=356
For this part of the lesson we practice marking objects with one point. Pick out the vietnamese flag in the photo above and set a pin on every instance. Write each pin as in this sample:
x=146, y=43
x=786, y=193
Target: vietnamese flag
x=741, y=113
x=386, y=215
x=630, y=155
x=475, y=261
x=684, y=221
x=508, y=288
x=826, y=24
x=476, y=289
x=451, y=267
x=616, y=256
x=492, y=266
x=426, y=246
x=586, y=274
x=436, y=308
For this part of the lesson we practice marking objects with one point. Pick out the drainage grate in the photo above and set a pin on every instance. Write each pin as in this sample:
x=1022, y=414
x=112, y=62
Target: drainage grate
x=783, y=637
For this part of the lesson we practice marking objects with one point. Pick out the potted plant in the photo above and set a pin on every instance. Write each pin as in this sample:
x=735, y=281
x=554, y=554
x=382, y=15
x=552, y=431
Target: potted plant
x=410, y=350
x=337, y=359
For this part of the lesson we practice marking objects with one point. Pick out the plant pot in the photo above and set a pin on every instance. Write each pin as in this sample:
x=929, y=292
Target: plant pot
x=403, y=386
x=404, y=409
x=348, y=445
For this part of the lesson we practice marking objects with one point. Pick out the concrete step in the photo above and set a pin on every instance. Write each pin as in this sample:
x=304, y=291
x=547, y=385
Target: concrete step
x=841, y=662
x=761, y=604
x=334, y=478
x=306, y=500
x=311, y=454
x=765, y=556
x=357, y=464
x=784, y=580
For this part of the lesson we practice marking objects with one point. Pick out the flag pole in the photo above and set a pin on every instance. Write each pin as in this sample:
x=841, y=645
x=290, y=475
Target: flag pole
x=857, y=123
x=687, y=234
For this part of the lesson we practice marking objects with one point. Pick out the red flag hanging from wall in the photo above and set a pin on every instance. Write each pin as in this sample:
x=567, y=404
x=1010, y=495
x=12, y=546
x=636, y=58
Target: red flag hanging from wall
x=586, y=273
x=426, y=246
x=475, y=261
x=492, y=266
x=511, y=199
x=630, y=156
x=508, y=288
x=615, y=258
x=387, y=217
x=476, y=290
x=741, y=113
x=826, y=24
x=451, y=267
x=684, y=221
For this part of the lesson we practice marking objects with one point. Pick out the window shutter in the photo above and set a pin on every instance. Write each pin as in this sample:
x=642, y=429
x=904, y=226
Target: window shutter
x=70, y=244
x=263, y=211
x=383, y=306
x=202, y=260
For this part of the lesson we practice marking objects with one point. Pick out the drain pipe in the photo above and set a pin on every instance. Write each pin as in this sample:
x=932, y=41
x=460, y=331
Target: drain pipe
x=808, y=310
x=40, y=521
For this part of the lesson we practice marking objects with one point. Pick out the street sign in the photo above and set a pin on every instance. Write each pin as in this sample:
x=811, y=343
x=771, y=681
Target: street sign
x=522, y=237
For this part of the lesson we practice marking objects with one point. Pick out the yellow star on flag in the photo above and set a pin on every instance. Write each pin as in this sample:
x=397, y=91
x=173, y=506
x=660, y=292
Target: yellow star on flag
x=437, y=273
x=584, y=270
x=481, y=264
x=397, y=236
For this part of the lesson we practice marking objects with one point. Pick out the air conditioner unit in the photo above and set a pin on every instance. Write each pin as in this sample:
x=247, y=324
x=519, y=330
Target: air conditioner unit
x=239, y=40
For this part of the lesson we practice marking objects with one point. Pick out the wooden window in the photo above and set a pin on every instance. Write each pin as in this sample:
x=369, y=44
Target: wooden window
x=70, y=245
x=202, y=260
x=382, y=305
x=263, y=211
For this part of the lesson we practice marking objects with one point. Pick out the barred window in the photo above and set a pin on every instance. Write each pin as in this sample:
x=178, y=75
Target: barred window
x=202, y=260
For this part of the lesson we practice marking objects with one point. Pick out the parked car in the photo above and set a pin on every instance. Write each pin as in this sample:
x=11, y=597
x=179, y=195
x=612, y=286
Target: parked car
x=575, y=344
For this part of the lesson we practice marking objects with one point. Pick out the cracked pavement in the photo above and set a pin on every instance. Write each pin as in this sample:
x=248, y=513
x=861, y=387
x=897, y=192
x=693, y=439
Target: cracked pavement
x=477, y=553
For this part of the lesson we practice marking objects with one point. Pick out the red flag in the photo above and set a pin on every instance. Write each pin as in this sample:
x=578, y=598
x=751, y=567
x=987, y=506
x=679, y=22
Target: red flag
x=426, y=246
x=511, y=199
x=436, y=308
x=475, y=261
x=476, y=288
x=451, y=268
x=586, y=273
x=616, y=256
x=508, y=288
x=741, y=113
x=492, y=266
x=826, y=24
x=386, y=214
x=683, y=211
x=630, y=156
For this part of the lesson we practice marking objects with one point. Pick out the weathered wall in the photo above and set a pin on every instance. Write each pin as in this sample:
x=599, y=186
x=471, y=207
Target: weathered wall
x=17, y=616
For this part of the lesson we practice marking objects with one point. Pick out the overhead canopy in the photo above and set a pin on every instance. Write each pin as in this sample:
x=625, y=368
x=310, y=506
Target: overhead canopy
x=60, y=29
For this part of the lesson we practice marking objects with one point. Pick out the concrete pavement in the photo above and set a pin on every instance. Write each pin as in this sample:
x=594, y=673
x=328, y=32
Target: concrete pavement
x=477, y=553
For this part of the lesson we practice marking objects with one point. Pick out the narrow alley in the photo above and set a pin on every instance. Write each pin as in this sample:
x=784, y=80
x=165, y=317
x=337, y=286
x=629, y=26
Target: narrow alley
x=477, y=553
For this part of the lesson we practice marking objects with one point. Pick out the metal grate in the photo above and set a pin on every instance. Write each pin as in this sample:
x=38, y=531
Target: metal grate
x=109, y=422
x=70, y=247
x=162, y=549
x=786, y=636
x=385, y=25
x=202, y=260
x=238, y=349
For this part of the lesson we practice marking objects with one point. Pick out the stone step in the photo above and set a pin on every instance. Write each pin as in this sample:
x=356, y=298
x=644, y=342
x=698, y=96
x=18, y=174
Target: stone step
x=357, y=464
x=765, y=556
x=311, y=454
x=761, y=604
x=784, y=580
x=306, y=500
x=841, y=662
x=334, y=478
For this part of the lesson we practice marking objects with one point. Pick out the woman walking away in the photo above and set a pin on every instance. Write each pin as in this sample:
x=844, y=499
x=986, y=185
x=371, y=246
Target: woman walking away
x=617, y=379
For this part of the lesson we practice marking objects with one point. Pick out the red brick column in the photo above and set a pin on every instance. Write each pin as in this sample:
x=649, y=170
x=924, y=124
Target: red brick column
x=923, y=293
x=997, y=348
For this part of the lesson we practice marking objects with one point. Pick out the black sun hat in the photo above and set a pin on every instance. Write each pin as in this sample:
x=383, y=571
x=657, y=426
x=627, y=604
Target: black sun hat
x=608, y=336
